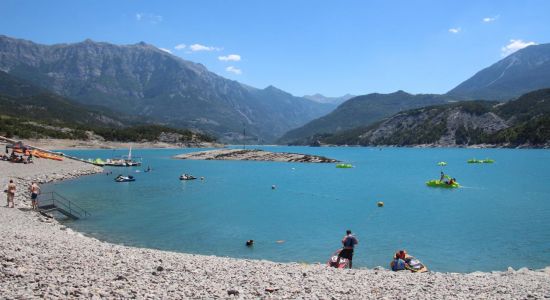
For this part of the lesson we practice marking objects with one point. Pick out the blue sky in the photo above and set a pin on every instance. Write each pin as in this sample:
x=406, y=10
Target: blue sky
x=303, y=47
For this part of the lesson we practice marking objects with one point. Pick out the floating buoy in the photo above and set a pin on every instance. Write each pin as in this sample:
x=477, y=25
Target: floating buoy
x=380, y=203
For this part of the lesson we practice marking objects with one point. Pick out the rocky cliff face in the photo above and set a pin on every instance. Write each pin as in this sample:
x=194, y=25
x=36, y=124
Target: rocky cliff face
x=142, y=80
x=363, y=111
x=524, y=122
x=432, y=126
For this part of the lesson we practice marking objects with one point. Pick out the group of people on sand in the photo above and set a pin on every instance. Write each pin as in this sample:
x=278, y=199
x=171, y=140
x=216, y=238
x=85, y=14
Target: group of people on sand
x=34, y=189
x=446, y=179
x=400, y=261
x=16, y=158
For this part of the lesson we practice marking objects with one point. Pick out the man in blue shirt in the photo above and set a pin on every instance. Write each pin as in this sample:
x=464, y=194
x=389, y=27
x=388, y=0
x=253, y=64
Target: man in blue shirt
x=349, y=241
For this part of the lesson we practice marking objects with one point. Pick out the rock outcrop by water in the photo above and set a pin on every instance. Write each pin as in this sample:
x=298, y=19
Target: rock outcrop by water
x=254, y=154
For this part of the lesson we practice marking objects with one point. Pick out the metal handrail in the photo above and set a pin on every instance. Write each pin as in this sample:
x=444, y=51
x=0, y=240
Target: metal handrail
x=58, y=200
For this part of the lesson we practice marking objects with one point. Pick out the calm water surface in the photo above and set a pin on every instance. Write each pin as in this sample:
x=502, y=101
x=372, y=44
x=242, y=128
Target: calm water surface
x=500, y=218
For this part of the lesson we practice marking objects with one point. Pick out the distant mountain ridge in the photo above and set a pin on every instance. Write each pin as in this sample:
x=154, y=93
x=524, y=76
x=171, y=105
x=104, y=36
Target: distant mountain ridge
x=362, y=111
x=524, y=122
x=329, y=100
x=523, y=71
x=142, y=80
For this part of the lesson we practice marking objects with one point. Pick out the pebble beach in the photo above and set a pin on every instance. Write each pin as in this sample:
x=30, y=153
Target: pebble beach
x=42, y=258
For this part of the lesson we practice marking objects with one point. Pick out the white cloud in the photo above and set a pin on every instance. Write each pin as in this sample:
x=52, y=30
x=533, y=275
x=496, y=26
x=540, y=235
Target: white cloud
x=234, y=70
x=490, y=19
x=199, y=47
x=230, y=57
x=166, y=50
x=455, y=30
x=180, y=46
x=151, y=18
x=514, y=46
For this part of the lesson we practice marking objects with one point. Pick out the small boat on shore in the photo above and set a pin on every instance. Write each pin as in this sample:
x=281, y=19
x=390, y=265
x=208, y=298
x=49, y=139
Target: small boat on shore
x=97, y=162
x=187, y=177
x=128, y=178
x=125, y=161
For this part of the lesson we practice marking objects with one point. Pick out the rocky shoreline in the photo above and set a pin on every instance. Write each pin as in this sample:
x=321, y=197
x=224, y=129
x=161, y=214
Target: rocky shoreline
x=256, y=155
x=41, y=258
x=64, y=144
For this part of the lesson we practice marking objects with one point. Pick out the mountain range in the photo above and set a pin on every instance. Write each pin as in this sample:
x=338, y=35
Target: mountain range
x=144, y=84
x=362, y=111
x=142, y=80
x=523, y=71
x=329, y=100
x=28, y=111
x=516, y=123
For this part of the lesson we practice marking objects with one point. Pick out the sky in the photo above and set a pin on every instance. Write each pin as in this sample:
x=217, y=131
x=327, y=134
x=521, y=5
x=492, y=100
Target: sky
x=303, y=46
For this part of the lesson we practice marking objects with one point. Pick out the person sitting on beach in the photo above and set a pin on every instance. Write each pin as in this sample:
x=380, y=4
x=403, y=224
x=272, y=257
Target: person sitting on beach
x=398, y=263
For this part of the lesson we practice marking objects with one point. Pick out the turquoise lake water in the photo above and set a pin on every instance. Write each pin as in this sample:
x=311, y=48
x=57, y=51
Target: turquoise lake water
x=500, y=218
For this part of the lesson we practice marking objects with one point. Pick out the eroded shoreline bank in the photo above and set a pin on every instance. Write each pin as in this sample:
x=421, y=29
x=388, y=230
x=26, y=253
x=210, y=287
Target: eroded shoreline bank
x=40, y=258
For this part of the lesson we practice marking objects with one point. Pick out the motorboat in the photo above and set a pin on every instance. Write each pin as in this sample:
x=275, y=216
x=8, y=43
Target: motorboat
x=187, y=177
x=128, y=178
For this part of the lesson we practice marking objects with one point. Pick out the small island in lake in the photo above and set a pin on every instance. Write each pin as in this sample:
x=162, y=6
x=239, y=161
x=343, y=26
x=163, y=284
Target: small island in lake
x=254, y=154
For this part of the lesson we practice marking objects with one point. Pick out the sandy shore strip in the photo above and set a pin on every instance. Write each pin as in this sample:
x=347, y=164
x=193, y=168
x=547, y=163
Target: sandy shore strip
x=254, y=154
x=64, y=144
x=42, y=171
x=41, y=258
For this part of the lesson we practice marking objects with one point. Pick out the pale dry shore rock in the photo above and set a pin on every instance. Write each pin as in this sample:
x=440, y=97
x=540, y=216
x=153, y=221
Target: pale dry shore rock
x=254, y=154
x=41, y=258
x=64, y=144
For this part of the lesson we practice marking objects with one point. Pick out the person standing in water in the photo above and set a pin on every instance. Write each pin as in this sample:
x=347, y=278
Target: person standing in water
x=348, y=242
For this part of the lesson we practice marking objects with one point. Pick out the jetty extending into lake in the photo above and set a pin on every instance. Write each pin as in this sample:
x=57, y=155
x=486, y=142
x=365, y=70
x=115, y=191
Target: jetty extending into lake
x=255, y=154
